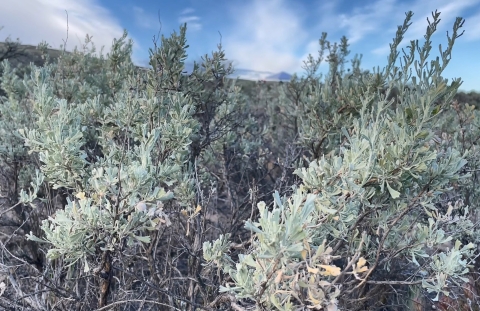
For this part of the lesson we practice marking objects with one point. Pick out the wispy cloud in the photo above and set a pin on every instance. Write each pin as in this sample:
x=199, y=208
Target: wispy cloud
x=187, y=11
x=47, y=20
x=193, y=22
x=423, y=10
x=449, y=11
x=144, y=19
x=265, y=35
x=472, y=27
x=188, y=19
x=367, y=19
x=325, y=20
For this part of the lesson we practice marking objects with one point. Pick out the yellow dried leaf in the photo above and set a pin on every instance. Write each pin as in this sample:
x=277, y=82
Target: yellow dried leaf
x=361, y=262
x=198, y=209
x=361, y=265
x=74, y=208
x=278, y=278
x=158, y=220
x=324, y=283
x=330, y=270
x=312, y=299
x=80, y=195
x=304, y=254
x=312, y=270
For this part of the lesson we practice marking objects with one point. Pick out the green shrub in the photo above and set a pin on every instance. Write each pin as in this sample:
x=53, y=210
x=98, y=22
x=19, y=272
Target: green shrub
x=367, y=215
x=121, y=145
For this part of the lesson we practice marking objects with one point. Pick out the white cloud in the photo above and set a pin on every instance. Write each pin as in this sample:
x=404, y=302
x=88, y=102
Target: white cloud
x=265, y=36
x=187, y=11
x=325, y=17
x=422, y=10
x=47, y=20
x=312, y=48
x=366, y=20
x=383, y=50
x=472, y=27
x=193, y=22
x=145, y=20
x=449, y=11
x=188, y=19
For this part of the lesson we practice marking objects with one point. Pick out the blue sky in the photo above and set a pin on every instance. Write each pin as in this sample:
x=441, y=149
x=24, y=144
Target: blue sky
x=261, y=35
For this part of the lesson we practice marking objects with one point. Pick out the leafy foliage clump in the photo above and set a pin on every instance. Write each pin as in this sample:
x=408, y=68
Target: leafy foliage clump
x=368, y=214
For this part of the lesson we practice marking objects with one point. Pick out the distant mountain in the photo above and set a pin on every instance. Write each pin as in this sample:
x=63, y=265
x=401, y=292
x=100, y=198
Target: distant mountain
x=281, y=76
x=247, y=74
